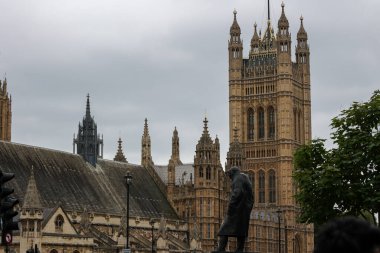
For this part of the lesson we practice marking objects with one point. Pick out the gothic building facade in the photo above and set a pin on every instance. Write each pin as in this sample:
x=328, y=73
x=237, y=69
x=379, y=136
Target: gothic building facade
x=5, y=112
x=77, y=202
x=198, y=190
x=270, y=116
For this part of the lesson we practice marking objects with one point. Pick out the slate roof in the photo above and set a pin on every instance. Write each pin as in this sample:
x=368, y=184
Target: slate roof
x=181, y=172
x=162, y=172
x=65, y=179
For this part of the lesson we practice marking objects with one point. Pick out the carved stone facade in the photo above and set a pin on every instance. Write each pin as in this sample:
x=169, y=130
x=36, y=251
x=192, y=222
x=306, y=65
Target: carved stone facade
x=5, y=112
x=269, y=103
x=197, y=191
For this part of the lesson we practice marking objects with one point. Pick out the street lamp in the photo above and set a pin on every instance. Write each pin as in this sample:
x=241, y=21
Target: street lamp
x=128, y=181
x=151, y=222
x=279, y=229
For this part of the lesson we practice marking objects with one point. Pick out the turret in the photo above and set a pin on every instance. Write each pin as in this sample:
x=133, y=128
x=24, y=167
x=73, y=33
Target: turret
x=302, y=48
x=89, y=143
x=206, y=160
x=303, y=54
x=31, y=216
x=235, y=49
x=284, y=37
x=255, y=41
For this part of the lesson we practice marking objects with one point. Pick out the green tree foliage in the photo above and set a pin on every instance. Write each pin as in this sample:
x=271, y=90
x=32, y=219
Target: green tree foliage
x=346, y=179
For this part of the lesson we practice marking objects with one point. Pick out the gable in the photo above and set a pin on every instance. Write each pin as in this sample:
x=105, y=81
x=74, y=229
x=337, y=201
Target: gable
x=59, y=223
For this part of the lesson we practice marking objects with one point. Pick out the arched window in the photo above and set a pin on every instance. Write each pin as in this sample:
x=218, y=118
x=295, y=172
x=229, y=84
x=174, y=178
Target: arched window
x=59, y=223
x=200, y=171
x=261, y=186
x=271, y=122
x=252, y=178
x=299, y=125
x=261, y=123
x=272, y=186
x=53, y=251
x=251, y=124
x=208, y=173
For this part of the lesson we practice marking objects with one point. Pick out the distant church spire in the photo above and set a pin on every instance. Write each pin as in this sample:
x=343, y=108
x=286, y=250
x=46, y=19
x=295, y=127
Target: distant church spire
x=119, y=154
x=89, y=143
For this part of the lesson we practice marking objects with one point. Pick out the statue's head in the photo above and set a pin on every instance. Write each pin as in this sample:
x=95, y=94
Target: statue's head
x=233, y=171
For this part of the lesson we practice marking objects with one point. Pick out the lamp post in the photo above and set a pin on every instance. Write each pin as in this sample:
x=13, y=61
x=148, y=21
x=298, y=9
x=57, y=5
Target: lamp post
x=151, y=222
x=128, y=181
x=279, y=229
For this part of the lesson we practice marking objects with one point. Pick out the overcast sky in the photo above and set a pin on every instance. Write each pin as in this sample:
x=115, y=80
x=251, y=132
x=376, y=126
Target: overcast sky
x=166, y=60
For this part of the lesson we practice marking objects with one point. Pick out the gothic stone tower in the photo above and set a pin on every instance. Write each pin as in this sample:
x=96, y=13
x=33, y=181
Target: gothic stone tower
x=5, y=112
x=269, y=101
x=31, y=217
x=209, y=188
x=89, y=144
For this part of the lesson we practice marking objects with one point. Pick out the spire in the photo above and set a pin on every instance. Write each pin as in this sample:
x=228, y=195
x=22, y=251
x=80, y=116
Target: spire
x=283, y=22
x=119, y=154
x=302, y=34
x=146, y=130
x=88, y=112
x=205, y=127
x=146, y=158
x=205, y=139
x=32, y=199
x=268, y=10
x=175, y=147
x=88, y=142
x=235, y=28
x=255, y=41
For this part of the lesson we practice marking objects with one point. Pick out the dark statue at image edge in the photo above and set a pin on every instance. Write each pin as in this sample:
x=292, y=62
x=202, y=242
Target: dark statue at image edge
x=236, y=223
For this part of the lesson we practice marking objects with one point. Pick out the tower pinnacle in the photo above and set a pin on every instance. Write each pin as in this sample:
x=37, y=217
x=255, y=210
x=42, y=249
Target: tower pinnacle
x=88, y=112
x=119, y=154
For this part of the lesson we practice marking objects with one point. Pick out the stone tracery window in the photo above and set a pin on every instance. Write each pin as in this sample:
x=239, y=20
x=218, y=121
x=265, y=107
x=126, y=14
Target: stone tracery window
x=261, y=186
x=208, y=173
x=200, y=171
x=251, y=124
x=261, y=123
x=271, y=122
x=272, y=186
